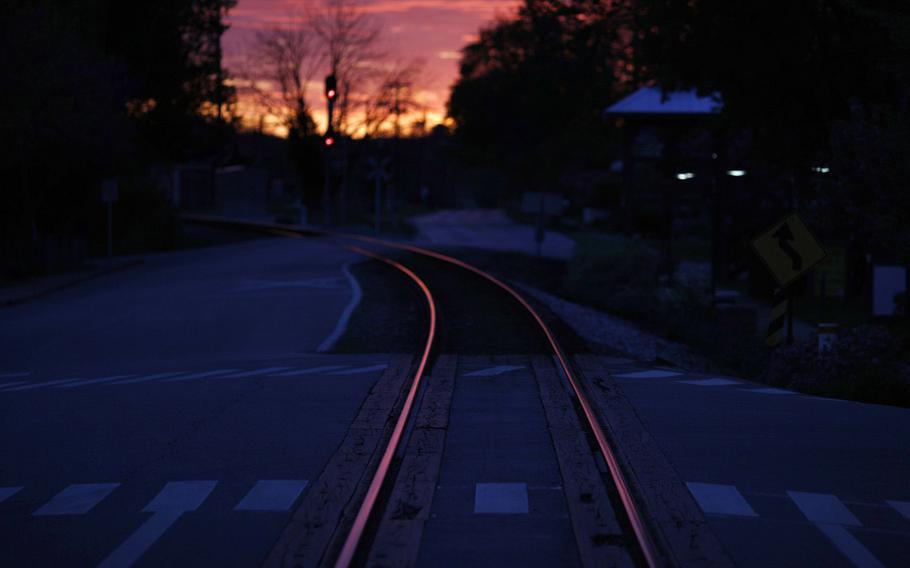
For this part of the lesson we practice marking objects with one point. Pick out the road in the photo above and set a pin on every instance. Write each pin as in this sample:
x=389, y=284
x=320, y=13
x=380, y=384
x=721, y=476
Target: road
x=173, y=414
x=785, y=479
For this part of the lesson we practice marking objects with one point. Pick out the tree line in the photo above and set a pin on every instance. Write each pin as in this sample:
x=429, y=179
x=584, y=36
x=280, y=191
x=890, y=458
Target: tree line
x=100, y=89
x=805, y=82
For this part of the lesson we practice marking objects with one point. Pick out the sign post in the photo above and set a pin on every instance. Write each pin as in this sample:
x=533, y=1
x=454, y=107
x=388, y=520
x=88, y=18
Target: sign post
x=109, y=196
x=789, y=250
x=378, y=173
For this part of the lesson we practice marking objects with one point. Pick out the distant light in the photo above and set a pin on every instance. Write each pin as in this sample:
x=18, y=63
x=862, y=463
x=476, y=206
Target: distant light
x=683, y=176
x=329, y=141
x=331, y=93
x=736, y=173
x=821, y=169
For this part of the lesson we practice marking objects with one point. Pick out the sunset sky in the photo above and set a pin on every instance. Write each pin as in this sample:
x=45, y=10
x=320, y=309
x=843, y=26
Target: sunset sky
x=434, y=30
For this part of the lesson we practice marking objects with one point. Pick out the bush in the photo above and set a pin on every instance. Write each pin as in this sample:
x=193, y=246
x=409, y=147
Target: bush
x=861, y=365
x=616, y=274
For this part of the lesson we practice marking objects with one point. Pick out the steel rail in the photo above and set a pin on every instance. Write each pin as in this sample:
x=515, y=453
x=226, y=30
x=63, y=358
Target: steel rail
x=646, y=543
x=369, y=502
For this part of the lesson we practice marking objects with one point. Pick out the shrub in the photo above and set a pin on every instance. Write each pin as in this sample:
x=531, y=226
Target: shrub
x=861, y=365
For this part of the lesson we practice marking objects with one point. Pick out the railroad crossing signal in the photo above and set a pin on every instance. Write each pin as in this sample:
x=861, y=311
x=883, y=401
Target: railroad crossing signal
x=789, y=250
x=331, y=88
x=379, y=169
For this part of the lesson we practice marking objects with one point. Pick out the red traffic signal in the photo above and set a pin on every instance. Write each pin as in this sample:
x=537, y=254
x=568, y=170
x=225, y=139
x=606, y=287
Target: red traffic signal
x=329, y=140
x=331, y=88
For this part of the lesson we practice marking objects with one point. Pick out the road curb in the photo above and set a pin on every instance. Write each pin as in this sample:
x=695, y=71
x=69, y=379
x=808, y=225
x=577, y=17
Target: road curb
x=39, y=291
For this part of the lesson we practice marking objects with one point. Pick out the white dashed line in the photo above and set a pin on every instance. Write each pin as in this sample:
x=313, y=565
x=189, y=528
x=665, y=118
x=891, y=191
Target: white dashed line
x=770, y=391
x=7, y=385
x=14, y=375
x=710, y=382
x=720, y=499
x=76, y=499
x=200, y=375
x=93, y=381
x=272, y=495
x=501, y=498
x=148, y=378
x=255, y=373
x=648, y=375
x=44, y=384
x=493, y=371
x=359, y=370
x=313, y=371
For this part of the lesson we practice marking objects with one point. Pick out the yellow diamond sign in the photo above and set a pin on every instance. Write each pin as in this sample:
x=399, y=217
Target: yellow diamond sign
x=789, y=249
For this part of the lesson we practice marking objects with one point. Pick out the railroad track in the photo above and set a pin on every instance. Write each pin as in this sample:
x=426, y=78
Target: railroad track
x=377, y=514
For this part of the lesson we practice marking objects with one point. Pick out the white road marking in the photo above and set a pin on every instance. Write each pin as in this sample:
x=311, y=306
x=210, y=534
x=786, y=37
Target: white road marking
x=255, y=373
x=648, y=375
x=902, y=507
x=201, y=375
x=770, y=391
x=93, y=381
x=358, y=370
x=176, y=498
x=342, y=324
x=148, y=378
x=77, y=499
x=44, y=384
x=7, y=492
x=501, y=498
x=493, y=371
x=719, y=499
x=6, y=385
x=849, y=546
x=272, y=495
x=312, y=371
x=14, y=375
x=710, y=382
x=823, y=508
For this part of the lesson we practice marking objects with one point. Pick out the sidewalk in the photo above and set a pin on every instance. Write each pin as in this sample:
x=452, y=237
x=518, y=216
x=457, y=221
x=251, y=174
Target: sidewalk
x=30, y=288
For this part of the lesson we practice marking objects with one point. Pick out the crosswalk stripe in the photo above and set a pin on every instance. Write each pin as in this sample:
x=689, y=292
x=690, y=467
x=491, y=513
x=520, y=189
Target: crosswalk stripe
x=200, y=375
x=148, y=378
x=176, y=498
x=312, y=371
x=40, y=385
x=850, y=546
x=359, y=370
x=255, y=373
x=493, y=371
x=714, y=498
x=501, y=498
x=823, y=508
x=7, y=492
x=648, y=375
x=76, y=499
x=272, y=495
x=92, y=381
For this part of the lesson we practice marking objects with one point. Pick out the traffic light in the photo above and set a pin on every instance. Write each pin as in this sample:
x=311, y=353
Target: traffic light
x=331, y=88
x=329, y=138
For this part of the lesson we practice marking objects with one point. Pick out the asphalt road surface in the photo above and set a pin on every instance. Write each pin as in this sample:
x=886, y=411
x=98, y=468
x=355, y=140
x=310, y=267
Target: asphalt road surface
x=173, y=414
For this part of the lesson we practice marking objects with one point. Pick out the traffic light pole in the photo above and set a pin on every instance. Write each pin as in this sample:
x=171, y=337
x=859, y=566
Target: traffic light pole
x=331, y=93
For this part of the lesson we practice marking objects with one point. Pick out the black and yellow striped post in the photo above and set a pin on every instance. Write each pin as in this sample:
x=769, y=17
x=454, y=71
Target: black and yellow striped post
x=778, y=319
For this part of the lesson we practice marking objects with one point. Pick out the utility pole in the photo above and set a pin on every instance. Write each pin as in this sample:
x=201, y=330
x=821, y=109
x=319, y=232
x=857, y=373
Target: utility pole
x=331, y=94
